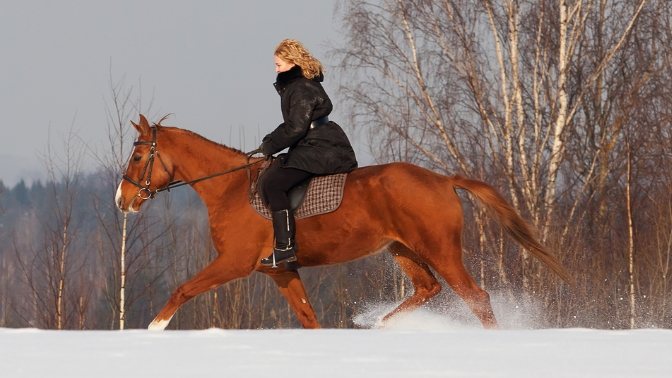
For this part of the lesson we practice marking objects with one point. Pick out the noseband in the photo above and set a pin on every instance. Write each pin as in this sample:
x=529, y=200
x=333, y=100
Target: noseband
x=145, y=192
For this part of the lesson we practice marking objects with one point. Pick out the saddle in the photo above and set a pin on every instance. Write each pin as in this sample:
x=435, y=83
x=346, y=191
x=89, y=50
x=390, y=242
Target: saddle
x=315, y=196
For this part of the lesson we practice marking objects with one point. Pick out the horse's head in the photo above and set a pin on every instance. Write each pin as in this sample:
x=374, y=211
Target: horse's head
x=147, y=169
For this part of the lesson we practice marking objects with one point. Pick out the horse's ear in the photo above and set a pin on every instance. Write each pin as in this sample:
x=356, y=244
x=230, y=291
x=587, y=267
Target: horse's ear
x=143, y=126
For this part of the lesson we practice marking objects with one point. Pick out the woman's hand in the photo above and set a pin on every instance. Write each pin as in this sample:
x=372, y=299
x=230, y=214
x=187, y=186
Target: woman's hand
x=264, y=151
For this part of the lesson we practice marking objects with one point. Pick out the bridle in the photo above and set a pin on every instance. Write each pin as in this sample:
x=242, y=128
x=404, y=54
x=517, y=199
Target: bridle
x=145, y=193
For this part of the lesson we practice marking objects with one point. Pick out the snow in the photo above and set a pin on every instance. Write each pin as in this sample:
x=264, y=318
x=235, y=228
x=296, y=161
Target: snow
x=420, y=347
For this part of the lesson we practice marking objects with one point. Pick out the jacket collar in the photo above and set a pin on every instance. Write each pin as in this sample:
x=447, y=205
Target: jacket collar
x=288, y=77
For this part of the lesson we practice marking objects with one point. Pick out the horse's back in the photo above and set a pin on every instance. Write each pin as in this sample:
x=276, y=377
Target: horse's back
x=401, y=190
x=399, y=180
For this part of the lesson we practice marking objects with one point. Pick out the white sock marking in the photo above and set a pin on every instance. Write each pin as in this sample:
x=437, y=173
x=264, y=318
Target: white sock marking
x=158, y=325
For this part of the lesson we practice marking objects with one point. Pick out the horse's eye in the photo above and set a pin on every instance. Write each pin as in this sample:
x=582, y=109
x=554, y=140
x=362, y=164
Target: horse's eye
x=137, y=158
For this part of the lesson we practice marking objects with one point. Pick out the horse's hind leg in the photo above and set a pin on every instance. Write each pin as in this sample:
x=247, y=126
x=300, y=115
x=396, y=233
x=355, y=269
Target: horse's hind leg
x=476, y=298
x=448, y=264
x=425, y=284
x=290, y=285
x=218, y=272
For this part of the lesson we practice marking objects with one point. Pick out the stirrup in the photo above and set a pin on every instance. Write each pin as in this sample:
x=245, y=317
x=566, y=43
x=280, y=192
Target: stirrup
x=273, y=261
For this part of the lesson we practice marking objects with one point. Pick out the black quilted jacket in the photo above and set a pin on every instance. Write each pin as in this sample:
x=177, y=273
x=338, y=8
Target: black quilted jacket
x=322, y=150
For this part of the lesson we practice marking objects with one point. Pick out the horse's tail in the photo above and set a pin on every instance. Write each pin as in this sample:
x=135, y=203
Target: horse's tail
x=512, y=223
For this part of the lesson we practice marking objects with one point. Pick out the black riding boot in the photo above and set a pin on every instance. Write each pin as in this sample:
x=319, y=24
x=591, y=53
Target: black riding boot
x=285, y=245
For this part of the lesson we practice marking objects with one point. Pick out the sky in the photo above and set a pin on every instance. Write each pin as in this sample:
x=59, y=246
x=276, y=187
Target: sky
x=210, y=63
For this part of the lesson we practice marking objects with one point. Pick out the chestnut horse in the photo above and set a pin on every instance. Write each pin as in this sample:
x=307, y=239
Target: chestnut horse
x=412, y=212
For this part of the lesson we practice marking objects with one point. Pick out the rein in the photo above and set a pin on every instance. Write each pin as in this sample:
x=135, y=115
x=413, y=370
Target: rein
x=145, y=193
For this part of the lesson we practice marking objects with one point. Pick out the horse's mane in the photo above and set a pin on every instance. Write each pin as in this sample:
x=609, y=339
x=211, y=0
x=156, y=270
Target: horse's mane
x=198, y=136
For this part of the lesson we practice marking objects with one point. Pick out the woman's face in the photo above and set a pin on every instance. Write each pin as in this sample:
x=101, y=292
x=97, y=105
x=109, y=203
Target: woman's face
x=281, y=65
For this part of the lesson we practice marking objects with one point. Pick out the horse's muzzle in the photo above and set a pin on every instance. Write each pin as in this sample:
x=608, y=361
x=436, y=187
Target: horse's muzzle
x=120, y=203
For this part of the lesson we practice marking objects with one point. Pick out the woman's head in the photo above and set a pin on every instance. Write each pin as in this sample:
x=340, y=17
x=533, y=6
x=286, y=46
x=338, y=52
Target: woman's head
x=292, y=52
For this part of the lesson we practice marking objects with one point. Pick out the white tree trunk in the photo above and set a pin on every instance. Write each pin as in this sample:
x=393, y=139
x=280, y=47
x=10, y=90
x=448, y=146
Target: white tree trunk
x=61, y=279
x=122, y=275
x=631, y=240
x=557, y=144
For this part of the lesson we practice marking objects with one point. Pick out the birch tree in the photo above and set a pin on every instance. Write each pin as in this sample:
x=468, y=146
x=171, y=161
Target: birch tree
x=52, y=266
x=531, y=96
x=130, y=247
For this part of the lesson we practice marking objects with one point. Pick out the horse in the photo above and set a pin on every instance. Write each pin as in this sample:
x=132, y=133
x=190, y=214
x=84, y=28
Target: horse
x=413, y=213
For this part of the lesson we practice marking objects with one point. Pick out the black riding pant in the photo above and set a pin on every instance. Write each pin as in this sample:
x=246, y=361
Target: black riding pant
x=277, y=181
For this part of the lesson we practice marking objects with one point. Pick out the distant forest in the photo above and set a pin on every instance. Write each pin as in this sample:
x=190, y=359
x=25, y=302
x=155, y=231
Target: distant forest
x=168, y=242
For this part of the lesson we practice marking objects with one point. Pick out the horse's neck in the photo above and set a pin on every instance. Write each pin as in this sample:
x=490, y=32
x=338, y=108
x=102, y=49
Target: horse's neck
x=195, y=158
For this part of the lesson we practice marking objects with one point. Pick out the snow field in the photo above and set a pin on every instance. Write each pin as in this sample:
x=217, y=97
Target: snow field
x=336, y=353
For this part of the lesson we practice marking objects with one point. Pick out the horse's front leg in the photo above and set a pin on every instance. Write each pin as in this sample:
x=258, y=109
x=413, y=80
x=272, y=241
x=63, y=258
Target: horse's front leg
x=290, y=285
x=220, y=271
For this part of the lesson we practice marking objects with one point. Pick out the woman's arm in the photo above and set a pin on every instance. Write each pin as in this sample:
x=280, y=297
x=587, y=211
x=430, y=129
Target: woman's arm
x=302, y=102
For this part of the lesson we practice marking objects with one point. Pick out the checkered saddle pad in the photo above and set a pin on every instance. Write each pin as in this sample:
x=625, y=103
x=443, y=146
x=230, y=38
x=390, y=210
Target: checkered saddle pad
x=324, y=195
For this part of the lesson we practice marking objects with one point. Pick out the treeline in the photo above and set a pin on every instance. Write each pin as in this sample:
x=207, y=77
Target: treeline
x=565, y=106
x=70, y=260
x=52, y=281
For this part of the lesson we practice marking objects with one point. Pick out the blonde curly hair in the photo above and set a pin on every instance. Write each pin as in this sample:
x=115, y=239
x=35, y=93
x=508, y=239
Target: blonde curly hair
x=292, y=51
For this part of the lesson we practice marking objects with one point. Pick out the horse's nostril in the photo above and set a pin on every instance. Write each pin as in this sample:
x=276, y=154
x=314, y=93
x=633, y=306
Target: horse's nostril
x=119, y=202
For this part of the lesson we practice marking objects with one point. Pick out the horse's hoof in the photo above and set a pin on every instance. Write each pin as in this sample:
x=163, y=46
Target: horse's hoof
x=158, y=325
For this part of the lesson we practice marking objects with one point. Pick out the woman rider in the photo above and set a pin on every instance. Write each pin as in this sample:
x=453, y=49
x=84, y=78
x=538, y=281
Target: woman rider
x=317, y=146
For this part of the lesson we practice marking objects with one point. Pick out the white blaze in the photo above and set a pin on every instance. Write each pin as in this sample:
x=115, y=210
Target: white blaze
x=117, y=197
